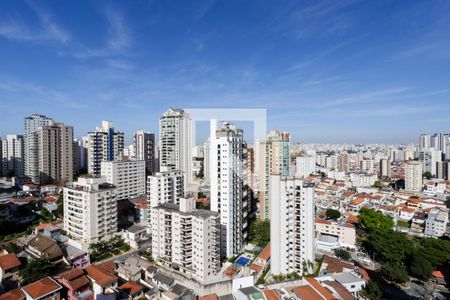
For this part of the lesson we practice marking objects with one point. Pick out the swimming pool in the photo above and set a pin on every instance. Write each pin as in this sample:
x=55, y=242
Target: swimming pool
x=243, y=261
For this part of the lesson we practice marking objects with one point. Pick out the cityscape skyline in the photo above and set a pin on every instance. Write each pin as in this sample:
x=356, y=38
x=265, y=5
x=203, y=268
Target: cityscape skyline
x=373, y=69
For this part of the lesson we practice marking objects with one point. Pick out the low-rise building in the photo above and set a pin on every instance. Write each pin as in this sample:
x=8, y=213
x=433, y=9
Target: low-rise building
x=436, y=223
x=46, y=288
x=343, y=234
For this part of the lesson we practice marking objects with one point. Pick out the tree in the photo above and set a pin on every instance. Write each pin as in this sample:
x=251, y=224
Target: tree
x=45, y=215
x=371, y=220
x=388, y=245
x=378, y=184
x=427, y=175
x=332, y=214
x=420, y=267
x=343, y=254
x=372, y=291
x=402, y=224
x=35, y=270
x=395, y=272
x=448, y=202
x=12, y=248
x=259, y=232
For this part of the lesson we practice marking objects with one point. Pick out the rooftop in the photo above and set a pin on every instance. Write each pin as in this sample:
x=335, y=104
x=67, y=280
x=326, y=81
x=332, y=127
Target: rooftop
x=41, y=287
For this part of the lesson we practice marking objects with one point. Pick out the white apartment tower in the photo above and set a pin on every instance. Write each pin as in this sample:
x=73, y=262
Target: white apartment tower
x=175, y=138
x=55, y=153
x=12, y=155
x=90, y=211
x=186, y=239
x=273, y=158
x=227, y=171
x=304, y=165
x=165, y=187
x=413, y=176
x=128, y=176
x=144, y=147
x=385, y=168
x=31, y=125
x=104, y=145
x=291, y=225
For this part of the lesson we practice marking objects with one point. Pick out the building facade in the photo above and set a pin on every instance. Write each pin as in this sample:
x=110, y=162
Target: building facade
x=413, y=176
x=175, y=142
x=186, y=239
x=291, y=225
x=165, y=187
x=128, y=176
x=55, y=153
x=31, y=125
x=274, y=158
x=104, y=144
x=144, y=147
x=90, y=211
x=12, y=155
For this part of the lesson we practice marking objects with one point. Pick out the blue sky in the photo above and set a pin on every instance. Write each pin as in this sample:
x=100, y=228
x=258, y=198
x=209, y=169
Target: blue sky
x=327, y=71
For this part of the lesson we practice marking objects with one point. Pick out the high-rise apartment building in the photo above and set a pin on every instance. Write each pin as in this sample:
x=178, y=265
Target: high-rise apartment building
x=105, y=144
x=165, y=187
x=227, y=171
x=385, y=168
x=367, y=165
x=342, y=162
x=429, y=157
x=144, y=147
x=128, y=176
x=413, y=176
x=55, y=152
x=175, y=142
x=187, y=238
x=291, y=225
x=31, y=125
x=424, y=141
x=304, y=166
x=443, y=169
x=12, y=155
x=90, y=211
x=274, y=158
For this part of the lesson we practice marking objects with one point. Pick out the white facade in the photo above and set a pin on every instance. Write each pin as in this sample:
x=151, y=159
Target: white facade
x=436, y=223
x=12, y=155
x=165, y=187
x=175, y=138
x=429, y=158
x=291, y=224
x=186, y=239
x=31, y=125
x=385, y=168
x=367, y=165
x=104, y=145
x=305, y=165
x=127, y=175
x=227, y=185
x=90, y=211
x=413, y=176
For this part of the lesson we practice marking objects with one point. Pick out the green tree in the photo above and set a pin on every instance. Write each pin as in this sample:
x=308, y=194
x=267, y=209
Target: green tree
x=427, y=175
x=371, y=220
x=259, y=232
x=35, y=270
x=45, y=215
x=332, y=214
x=402, y=224
x=372, y=291
x=388, y=245
x=343, y=254
x=378, y=184
x=12, y=248
x=420, y=267
x=395, y=272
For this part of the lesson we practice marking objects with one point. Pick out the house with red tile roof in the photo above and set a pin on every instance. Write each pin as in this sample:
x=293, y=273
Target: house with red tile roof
x=9, y=265
x=46, y=288
x=16, y=294
x=103, y=282
x=132, y=290
x=76, y=286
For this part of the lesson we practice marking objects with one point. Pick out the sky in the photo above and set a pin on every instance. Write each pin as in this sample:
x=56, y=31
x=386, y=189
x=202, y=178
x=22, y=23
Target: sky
x=326, y=71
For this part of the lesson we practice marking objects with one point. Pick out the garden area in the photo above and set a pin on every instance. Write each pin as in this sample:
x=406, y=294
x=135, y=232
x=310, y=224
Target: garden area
x=105, y=249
